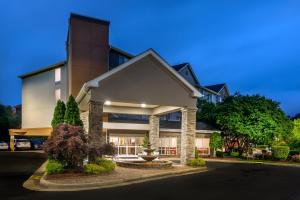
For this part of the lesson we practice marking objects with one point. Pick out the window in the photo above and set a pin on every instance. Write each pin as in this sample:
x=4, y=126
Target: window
x=57, y=94
x=57, y=74
x=202, y=145
x=168, y=146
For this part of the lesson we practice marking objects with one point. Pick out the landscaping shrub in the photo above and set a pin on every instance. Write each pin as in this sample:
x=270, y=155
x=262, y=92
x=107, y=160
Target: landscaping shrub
x=280, y=152
x=220, y=154
x=59, y=114
x=107, y=164
x=234, y=154
x=68, y=145
x=196, y=162
x=296, y=158
x=94, y=169
x=72, y=114
x=54, y=167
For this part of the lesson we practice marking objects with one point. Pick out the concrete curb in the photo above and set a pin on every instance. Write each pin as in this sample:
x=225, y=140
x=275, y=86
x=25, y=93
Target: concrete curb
x=254, y=162
x=33, y=183
x=37, y=181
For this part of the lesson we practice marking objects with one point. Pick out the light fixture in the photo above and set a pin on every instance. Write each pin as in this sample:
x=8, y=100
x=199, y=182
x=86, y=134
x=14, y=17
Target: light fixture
x=143, y=105
x=107, y=103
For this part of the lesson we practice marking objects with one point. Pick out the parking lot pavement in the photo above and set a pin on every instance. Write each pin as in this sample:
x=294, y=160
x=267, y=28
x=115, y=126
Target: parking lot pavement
x=226, y=181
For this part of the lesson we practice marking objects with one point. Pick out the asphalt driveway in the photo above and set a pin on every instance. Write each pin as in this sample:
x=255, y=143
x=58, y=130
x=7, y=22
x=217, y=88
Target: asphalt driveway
x=226, y=181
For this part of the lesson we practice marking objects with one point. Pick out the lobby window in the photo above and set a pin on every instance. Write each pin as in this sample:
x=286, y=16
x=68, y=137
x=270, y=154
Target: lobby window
x=57, y=94
x=202, y=145
x=168, y=146
x=57, y=75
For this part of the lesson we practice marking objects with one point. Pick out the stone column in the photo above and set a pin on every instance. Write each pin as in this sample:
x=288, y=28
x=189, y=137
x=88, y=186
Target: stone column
x=154, y=131
x=188, y=133
x=95, y=125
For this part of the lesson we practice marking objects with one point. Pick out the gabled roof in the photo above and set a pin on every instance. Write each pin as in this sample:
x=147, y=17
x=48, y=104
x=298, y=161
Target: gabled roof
x=179, y=66
x=120, y=51
x=95, y=82
x=44, y=69
x=216, y=88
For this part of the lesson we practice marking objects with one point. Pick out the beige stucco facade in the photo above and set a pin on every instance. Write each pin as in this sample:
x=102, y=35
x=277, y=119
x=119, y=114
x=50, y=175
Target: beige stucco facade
x=38, y=97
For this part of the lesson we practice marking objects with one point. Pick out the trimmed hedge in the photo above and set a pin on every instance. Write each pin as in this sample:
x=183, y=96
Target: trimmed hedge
x=107, y=164
x=94, y=169
x=100, y=166
x=196, y=162
x=54, y=167
x=280, y=152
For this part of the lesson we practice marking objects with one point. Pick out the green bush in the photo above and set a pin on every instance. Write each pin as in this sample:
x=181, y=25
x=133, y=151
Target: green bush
x=234, y=154
x=280, y=152
x=196, y=162
x=294, y=152
x=220, y=154
x=107, y=164
x=54, y=167
x=94, y=169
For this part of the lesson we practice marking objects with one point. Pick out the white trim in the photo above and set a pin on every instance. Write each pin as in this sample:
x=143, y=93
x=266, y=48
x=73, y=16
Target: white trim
x=95, y=82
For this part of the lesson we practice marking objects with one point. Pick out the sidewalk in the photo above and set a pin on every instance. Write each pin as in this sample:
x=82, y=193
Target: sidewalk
x=121, y=176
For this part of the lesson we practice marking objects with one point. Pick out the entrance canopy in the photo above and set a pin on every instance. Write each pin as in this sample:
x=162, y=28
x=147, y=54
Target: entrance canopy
x=145, y=84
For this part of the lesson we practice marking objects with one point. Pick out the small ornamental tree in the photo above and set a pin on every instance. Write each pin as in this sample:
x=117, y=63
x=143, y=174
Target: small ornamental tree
x=146, y=141
x=68, y=145
x=72, y=115
x=59, y=114
x=215, y=142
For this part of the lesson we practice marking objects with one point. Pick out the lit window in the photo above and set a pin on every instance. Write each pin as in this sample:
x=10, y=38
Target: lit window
x=57, y=74
x=168, y=146
x=57, y=94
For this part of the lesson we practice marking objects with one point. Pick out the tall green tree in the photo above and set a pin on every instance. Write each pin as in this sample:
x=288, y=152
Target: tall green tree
x=215, y=142
x=247, y=120
x=206, y=111
x=294, y=142
x=72, y=114
x=59, y=114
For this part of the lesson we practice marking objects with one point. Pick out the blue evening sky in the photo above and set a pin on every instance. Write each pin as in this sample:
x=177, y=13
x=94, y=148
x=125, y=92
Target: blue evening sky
x=253, y=46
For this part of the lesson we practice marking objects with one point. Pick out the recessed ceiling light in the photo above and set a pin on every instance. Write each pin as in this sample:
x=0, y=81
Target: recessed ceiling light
x=107, y=103
x=143, y=105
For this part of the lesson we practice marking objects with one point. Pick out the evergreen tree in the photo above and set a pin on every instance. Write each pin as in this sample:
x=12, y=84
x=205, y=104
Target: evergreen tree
x=72, y=115
x=59, y=114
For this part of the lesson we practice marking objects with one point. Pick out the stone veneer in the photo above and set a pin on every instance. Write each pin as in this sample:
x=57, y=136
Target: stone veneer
x=95, y=124
x=154, y=131
x=188, y=133
x=84, y=116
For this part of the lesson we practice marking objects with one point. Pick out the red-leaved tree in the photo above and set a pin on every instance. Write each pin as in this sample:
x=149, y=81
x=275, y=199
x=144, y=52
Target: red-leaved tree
x=67, y=145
